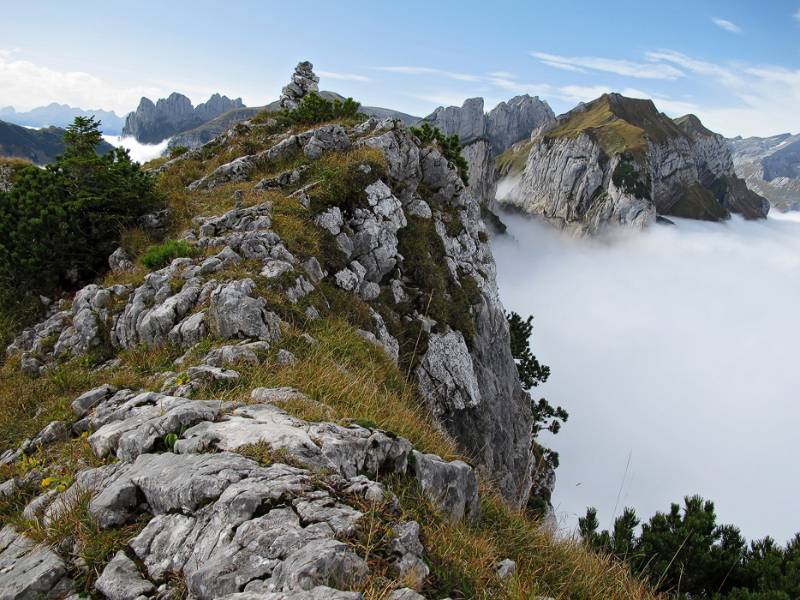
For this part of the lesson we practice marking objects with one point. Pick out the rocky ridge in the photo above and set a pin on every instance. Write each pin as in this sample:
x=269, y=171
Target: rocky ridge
x=618, y=161
x=153, y=122
x=228, y=524
x=486, y=136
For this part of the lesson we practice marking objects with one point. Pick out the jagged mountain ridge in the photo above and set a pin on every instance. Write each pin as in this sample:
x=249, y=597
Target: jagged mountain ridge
x=152, y=122
x=771, y=167
x=485, y=136
x=61, y=115
x=618, y=161
x=196, y=137
x=40, y=146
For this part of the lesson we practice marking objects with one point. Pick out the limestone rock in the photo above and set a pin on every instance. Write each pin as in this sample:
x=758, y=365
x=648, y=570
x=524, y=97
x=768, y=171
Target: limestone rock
x=30, y=571
x=506, y=569
x=446, y=375
x=405, y=594
x=120, y=580
x=375, y=231
x=120, y=261
x=234, y=313
x=452, y=485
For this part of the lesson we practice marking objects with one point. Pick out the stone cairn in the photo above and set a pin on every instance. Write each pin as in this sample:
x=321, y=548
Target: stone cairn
x=303, y=82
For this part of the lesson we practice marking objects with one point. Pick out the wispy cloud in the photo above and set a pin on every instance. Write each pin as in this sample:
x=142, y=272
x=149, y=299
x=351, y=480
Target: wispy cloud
x=699, y=67
x=407, y=70
x=796, y=15
x=502, y=74
x=762, y=99
x=343, y=76
x=609, y=65
x=493, y=87
x=26, y=85
x=726, y=25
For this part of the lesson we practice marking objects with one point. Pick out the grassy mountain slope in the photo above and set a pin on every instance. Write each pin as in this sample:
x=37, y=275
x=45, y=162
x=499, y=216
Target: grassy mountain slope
x=618, y=124
x=353, y=380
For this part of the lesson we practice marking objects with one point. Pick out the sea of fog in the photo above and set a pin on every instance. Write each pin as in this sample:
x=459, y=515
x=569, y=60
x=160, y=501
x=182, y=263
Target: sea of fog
x=676, y=352
x=138, y=151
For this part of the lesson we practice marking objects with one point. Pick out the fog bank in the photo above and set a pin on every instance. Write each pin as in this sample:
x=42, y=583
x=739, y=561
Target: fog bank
x=139, y=152
x=676, y=348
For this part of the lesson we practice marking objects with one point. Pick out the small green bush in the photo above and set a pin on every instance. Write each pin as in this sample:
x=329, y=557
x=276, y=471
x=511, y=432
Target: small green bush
x=450, y=147
x=178, y=151
x=628, y=179
x=59, y=224
x=158, y=257
x=316, y=109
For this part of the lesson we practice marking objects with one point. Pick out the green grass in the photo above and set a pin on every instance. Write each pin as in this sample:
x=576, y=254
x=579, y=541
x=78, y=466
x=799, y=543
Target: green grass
x=513, y=161
x=158, y=257
x=618, y=125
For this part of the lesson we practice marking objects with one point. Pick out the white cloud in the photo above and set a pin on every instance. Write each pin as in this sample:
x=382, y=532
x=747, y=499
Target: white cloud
x=609, y=65
x=138, y=151
x=343, y=76
x=26, y=85
x=763, y=98
x=796, y=15
x=628, y=331
x=726, y=25
x=406, y=70
x=699, y=67
x=502, y=74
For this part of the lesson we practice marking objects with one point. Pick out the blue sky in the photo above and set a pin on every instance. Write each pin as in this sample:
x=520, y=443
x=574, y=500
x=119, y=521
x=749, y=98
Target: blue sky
x=735, y=64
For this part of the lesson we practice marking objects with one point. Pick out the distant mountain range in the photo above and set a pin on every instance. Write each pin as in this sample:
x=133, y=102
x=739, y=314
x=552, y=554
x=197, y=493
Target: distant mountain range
x=153, y=122
x=61, y=115
x=770, y=166
x=197, y=136
x=40, y=146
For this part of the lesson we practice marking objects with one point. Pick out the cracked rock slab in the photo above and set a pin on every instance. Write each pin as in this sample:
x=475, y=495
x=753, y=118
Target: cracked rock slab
x=121, y=580
x=29, y=571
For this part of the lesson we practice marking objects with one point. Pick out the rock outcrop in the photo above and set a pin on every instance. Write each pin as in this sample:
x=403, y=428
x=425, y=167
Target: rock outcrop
x=225, y=523
x=619, y=162
x=770, y=167
x=485, y=136
x=153, y=122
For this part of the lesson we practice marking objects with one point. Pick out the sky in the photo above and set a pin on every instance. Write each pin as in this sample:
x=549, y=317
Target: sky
x=674, y=350
x=736, y=64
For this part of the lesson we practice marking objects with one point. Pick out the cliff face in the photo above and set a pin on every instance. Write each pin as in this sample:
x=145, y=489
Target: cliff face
x=618, y=161
x=152, y=122
x=770, y=167
x=487, y=135
x=513, y=121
